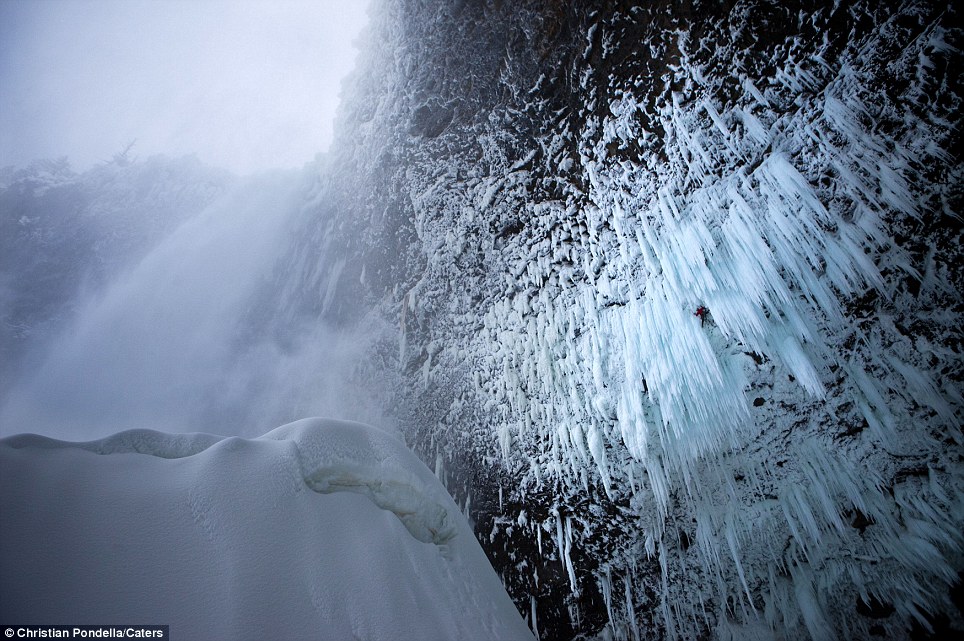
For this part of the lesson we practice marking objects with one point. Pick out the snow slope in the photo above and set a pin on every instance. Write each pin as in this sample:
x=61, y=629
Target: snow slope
x=319, y=529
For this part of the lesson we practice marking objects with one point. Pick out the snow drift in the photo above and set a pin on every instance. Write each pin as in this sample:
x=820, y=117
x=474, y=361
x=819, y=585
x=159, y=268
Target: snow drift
x=319, y=529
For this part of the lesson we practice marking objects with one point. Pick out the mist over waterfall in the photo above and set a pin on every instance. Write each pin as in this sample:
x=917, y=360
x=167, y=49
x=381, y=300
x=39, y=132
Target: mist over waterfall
x=171, y=340
x=666, y=295
x=158, y=340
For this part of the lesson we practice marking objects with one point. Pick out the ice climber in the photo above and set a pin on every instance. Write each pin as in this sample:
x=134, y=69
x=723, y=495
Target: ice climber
x=702, y=312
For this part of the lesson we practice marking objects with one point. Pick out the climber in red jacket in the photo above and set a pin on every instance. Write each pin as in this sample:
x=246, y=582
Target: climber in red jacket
x=702, y=312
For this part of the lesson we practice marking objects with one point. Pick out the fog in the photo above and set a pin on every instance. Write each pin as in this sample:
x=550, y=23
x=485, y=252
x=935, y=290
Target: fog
x=169, y=343
x=110, y=324
x=244, y=84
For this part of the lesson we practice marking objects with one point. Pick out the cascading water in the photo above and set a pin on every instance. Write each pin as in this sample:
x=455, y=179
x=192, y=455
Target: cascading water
x=172, y=343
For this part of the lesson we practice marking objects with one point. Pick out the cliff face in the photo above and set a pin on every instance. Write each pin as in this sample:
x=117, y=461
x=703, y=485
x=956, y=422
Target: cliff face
x=533, y=200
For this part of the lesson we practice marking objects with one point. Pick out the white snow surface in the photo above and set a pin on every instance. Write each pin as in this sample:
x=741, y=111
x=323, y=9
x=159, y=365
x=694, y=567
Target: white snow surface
x=319, y=529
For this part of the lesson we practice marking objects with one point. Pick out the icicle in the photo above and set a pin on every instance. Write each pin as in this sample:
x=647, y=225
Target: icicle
x=630, y=610
x=606, y=586
x=568, y=558
x=813, y=614
x=731, y=540
x=534, y=621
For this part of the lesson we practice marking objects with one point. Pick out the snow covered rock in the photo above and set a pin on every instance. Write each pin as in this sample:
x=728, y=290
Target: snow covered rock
x=319, y=529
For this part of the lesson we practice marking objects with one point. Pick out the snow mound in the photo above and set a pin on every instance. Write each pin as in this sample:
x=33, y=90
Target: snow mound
x=219, y=538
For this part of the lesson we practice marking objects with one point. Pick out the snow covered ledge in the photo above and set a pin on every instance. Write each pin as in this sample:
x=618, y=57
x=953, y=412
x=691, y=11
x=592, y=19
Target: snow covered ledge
x=319, y=529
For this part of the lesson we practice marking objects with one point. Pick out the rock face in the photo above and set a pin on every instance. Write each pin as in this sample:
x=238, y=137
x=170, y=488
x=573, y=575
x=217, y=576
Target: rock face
x=536, y=197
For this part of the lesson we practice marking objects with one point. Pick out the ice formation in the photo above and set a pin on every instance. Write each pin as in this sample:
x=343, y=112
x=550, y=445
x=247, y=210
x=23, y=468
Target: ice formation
x=769, y=473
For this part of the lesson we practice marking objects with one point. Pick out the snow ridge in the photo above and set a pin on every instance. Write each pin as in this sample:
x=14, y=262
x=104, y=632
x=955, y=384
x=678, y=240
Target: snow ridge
x=224, y=537
x=333, y=456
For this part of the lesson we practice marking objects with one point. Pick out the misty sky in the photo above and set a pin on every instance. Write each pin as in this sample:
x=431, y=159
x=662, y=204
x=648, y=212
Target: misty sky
x=245, y=84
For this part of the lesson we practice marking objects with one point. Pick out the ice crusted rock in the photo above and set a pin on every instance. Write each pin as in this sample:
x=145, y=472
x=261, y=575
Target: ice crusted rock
x=609, y=168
